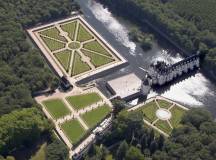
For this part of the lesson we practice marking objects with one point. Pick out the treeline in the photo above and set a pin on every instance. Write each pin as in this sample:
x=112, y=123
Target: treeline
x=23, y=129
x=180, y=27
x=129, y=139
x=23, y=70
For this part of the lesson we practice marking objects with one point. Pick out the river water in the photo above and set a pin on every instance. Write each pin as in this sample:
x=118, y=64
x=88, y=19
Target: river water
x=194, y=91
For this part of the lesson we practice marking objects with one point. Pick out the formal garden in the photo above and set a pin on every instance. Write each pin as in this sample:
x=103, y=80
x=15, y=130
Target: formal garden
x=56, y=108
x=84, y=100
x=75, y=47
x=162, y=115
x=76, y=115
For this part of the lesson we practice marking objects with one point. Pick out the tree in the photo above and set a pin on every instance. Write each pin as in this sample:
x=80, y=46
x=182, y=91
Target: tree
x=118, y=106
x=161, y=142
x=197, y=116
x=57, y=151
x=21, y=129
x=153, y=147
x=122, y=149
x=134, y=154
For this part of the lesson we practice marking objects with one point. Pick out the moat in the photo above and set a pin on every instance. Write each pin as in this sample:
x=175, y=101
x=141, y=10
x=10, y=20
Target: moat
x=192, y=91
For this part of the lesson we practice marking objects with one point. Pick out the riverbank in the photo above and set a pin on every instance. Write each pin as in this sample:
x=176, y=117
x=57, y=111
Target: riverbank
x=122, y=11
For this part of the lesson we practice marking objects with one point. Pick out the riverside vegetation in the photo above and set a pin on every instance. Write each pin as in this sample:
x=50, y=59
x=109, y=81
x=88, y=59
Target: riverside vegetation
x=188, y=23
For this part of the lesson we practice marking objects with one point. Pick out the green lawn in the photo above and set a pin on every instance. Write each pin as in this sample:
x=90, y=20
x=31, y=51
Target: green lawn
x=95, y=116
x=56, y=108
x=177, y=114
x=149, y=111
x=53, y=45
x=164, y=104
x=96, y=59
x=164, y=126
x=70, y=28
x=74, y=45
x=73, y=130
x=41, y=153
x=83, y=34
x=97, y=47
x=78, y=65
x=64, y=58
x=53, y=33
x=109, y=157
x=82, y=101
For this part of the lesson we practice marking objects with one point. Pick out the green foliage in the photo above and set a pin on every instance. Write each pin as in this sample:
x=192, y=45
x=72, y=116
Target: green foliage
x=149, y=111
x=21, y=129
x=70, y=29
x=190, y=24
x=56, y=108
x=64, y=58
x=23, y=71
x=78, y=65
x=57, y=151
x=53, y=33
x=41, y=153
x=84, y=100
x=13, y=91
x=7, y=158
x=96, y=59
x=129, y=139
x=83, y=34
x=74, y=130
x=52, y=44
x=95, y=116
x=96, y=47
x=122, y=150
x=134, y=154
x=97, y=153
x=196, y=117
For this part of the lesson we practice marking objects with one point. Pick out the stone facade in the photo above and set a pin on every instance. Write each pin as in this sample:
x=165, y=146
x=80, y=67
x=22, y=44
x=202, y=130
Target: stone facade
x=167, y=73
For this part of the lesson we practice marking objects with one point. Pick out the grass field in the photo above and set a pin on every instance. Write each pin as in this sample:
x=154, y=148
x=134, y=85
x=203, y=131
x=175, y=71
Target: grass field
x=53, y=45
x=149, y=111
x=70, y=29
x=164, y=104
x=82, y=101
x=97, y=60
x=97, y=47
x=95, y=116
x=177, y=113
x=83, y=34
x=74, y=45
x=53, y=33
x=164, y=126
x=56, y=108
x=41, y=153
x=74, y=35
x=78, y=65
x=64, y=58
x=73, y=130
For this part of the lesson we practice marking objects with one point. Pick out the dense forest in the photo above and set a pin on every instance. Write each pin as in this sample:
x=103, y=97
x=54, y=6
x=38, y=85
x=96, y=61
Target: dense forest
x=130, y=139
x=188, y=23
x=24, y=72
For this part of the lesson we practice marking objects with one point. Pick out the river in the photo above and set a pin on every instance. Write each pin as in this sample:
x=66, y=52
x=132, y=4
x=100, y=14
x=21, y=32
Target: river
x=195, y=91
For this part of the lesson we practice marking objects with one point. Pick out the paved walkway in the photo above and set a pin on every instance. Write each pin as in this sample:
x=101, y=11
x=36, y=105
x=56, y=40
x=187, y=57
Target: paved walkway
x=75, y=114
x=158, y=105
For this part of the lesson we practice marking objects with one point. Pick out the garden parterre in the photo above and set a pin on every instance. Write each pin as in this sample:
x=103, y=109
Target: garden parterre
x=76, y=114
x=75, y=47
